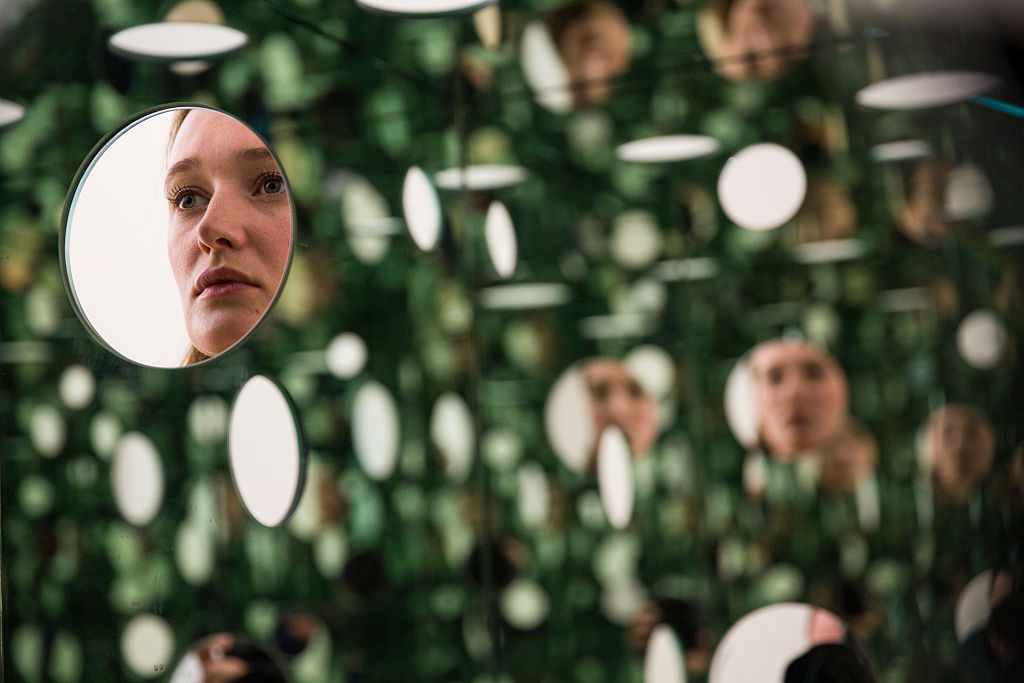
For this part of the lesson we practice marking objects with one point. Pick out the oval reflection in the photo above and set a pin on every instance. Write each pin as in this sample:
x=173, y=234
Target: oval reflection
x=755, y=40
x=227, y=657
x=199, y=247
x=375, y=430
x=268, y=458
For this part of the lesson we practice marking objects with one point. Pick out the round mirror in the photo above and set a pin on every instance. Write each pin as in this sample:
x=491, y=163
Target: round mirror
x=500, y=234
x=755, y=40
x=480, y=177
x=227, y=657
x=177, y=41
x=452, y=433
x=788, y=396
x=982, y=339
x=375, y=430
x=615, y=477
x=762, y=186
x=572, y=57
x=663, y=661
x=147, y=645
x=423, y=8
x=768, y=643
x=200, y=243
x=667, y=148
x=932, y=89
x=10, y=112
x=137, y=477
x=973, y=606
x=590, y=396
x=958, y=444
x=265, y=444
x=422, y=209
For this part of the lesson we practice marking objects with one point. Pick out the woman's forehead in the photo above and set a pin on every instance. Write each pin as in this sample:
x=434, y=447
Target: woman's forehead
x=204, y=132
x=775, y=353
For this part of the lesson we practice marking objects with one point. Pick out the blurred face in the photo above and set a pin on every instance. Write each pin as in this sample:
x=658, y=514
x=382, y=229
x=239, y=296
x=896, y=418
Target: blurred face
x=616, y=398
x=762, y=30
x=960, y=447
x=801, y=396
x=846, y=462
x=923, y=216
x=595, y=49
x=229, y=232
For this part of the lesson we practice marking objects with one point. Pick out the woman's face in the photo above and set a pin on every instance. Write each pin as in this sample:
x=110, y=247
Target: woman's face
x=616, y=398
x=595, y=49
x=960, y=446
x=846, y=462
x=801, y=396
x=763, y=30
x=229, y=233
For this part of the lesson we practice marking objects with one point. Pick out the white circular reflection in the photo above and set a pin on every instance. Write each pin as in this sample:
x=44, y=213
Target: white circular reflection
x=480, y=177
x=901, y=150
x=615, y=477
x=147, y=645
x=47, y=430
x=525, y=296
x=500, y=234
x=375, y=430
x=740, y=404
x=982, y=339
x=422, y=209
x=636, y=240
x=930, y=89
x=972, y=606
x=667, y=148
x=265, y=449
x=424, y=7
x=10, y=112
x=451, y=431
x=346, y=355
x=567, y=419
x=137, y=477
x=534, y=495
x=177, y=40
x=544, y=70
x=524, y=604
x=653, y=368
x=663, y=662
x=762, y=186
x=969, y=194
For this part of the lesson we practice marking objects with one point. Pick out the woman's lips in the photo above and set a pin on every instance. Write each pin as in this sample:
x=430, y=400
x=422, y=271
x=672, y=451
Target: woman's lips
x=221, y=281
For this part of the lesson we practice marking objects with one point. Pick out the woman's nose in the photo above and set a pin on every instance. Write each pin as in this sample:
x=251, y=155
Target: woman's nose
x=223, y=223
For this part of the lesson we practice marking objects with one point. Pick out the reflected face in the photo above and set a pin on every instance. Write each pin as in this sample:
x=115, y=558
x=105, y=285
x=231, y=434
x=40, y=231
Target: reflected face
x=960, y=446
x=923, y=220
x=616, y=398
x=801, y=396
x=229, y=233
x=595, y=49
x=846, y=461
x=758, y=35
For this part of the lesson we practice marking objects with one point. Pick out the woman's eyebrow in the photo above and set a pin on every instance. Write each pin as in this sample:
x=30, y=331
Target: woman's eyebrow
x=252, y=154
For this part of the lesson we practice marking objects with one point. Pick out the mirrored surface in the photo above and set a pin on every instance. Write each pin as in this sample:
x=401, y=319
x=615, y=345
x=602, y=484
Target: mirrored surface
x=199, y=246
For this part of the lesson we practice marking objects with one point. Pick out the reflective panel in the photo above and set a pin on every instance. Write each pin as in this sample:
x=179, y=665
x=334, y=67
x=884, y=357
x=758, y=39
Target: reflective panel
x=917, y=91
x=137, y=478
x=663, y=661
x=972, y=605
x=762, y=186
x=572, y=58
x=501, y=240
x=765, y=643
x=788, y=396
x=755, y=40
x=480, y=177
x=453, y=434
x=524, y=296
x=265, y=444
x=615, y=477
x=375, y=428
x=10, y=112
x=147, y=645
x=665, y=148
x=425, y=8
x=227, y=657
x=422, y=209
x=982, y=339
x=205, y=263
x=177, y=40
x=346, y=355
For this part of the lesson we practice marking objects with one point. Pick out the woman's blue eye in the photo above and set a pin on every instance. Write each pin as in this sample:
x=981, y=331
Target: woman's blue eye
x=273, y=186
x=186, y=201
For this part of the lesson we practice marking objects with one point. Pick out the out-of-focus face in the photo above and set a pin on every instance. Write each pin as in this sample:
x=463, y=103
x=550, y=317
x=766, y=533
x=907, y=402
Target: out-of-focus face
x=960, y=446
x=595, y=49
x=229, y=235
x=801, y=396
x=847, y=460
x=760, y=37
x=923, y=220
x=616, y=398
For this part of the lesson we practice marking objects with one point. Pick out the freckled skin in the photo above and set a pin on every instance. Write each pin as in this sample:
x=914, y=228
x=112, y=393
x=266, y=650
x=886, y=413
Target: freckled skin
x=227, y=210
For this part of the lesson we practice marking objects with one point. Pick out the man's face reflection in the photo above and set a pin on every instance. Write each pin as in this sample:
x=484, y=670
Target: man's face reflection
x=960, y=446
